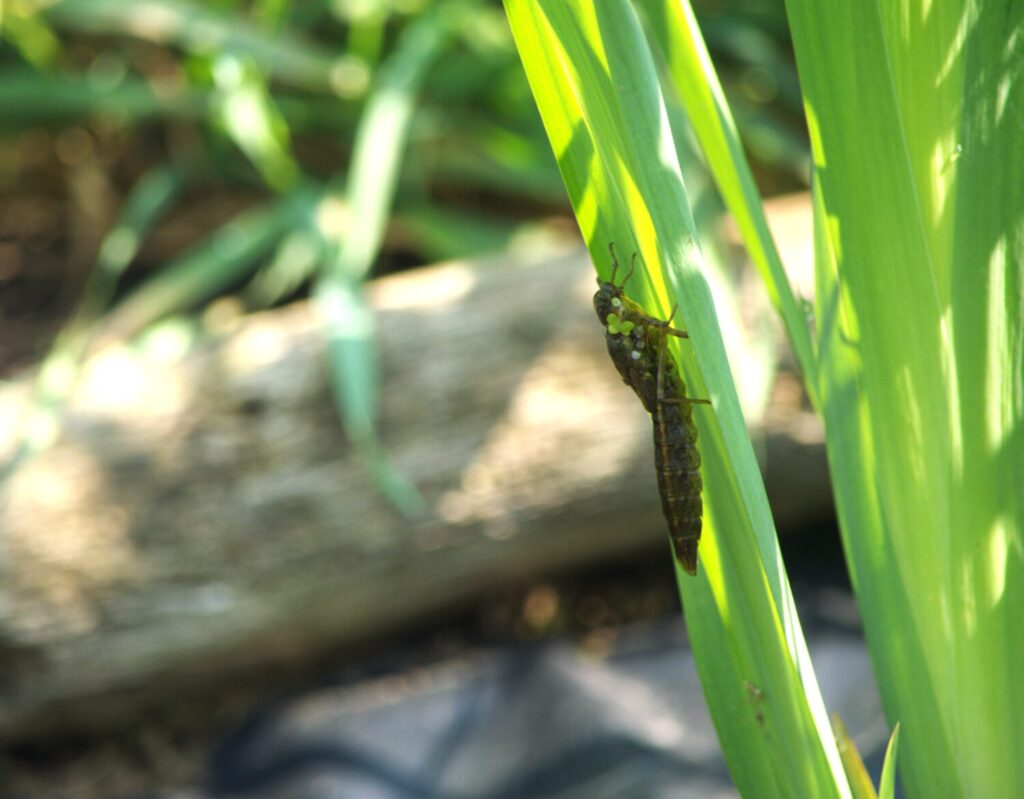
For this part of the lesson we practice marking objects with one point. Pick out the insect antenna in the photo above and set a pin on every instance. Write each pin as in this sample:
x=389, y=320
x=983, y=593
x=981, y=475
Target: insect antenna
x=632, y=266
x=615, y=262
x=615, y=266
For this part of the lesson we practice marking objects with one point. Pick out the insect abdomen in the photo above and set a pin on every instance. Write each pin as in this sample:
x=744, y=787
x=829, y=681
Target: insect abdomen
x=677, y=463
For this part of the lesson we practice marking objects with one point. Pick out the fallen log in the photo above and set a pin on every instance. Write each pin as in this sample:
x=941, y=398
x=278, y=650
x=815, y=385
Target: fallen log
x=203, y=515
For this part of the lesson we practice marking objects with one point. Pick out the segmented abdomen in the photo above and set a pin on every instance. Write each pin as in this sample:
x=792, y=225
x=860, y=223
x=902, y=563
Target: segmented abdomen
x=677, y=463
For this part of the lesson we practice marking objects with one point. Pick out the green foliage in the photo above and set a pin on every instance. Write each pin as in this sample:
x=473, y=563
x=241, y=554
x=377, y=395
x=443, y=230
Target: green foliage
x=359, y=133
x=595, y=83
x=674, y=27
x=887, y=784
x=339, y=121
x=915, y=118
x=369, y=194
x=917, y=364
x=251, y=93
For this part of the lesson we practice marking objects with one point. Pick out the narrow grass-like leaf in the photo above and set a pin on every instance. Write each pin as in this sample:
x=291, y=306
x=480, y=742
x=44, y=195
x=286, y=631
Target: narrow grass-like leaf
x=887, y=785
x=346, y=319
x=747, y=331
x=294, y=261
x=220, y=261
x=30, y=34
x=856, y=773
x=380, y=143
x=204, y=30
x=30, y=98
x=250, y=116
x=594, y=81
x=674, y=26
x=349, y=326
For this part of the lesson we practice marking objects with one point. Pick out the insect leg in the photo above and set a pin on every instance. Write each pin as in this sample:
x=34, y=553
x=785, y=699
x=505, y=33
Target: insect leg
x=662, y=348
x=685, y=401
x=667, y=325
x=662, y=354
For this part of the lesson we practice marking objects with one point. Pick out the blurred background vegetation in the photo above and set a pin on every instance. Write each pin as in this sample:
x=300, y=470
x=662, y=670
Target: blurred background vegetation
x=168, y=165
x=160, y=154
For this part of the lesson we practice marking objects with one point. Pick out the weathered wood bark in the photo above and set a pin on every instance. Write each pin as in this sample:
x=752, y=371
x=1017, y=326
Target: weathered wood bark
x=205, y=515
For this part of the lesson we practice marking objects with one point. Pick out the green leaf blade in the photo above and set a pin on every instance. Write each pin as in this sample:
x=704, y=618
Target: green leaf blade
x=596, y=86
x=674, y=26
x=920, y=208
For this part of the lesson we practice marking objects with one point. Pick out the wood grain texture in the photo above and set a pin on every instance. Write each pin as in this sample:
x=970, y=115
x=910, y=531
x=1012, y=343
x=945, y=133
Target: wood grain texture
x=202, y=516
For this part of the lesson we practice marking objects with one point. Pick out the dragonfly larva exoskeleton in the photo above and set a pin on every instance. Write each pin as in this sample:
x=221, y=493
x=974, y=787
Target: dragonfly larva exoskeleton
x=638, y=345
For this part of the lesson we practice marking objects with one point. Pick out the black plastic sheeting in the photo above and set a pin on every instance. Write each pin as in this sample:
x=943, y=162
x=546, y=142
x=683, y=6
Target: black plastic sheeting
x=543, y=722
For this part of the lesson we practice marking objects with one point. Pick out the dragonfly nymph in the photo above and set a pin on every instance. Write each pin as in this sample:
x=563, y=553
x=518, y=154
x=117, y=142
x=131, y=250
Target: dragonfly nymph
x=638, y=345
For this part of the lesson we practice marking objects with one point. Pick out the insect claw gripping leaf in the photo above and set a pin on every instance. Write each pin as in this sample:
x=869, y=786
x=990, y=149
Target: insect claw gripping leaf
x=638, y=347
